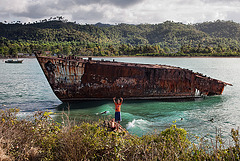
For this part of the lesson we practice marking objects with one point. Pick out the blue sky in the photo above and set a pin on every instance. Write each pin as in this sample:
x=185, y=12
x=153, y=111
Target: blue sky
x=121, y=11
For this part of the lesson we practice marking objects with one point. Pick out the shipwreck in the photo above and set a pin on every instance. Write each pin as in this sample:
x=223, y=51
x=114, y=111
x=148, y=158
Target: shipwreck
x=74, y=79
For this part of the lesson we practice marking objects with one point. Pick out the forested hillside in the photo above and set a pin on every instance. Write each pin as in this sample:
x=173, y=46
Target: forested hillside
x=218, y=38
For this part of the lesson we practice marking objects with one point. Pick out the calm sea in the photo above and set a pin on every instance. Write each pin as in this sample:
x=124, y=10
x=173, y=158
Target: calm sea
x=24, y=86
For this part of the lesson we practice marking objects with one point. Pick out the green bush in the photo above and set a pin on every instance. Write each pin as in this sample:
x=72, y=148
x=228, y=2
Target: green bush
x=41, y=138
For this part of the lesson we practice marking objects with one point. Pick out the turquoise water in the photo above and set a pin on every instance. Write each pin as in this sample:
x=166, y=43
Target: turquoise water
x=25, y=86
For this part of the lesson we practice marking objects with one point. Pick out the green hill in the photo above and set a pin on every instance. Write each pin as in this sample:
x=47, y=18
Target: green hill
x=220, y=29
x=167, y=37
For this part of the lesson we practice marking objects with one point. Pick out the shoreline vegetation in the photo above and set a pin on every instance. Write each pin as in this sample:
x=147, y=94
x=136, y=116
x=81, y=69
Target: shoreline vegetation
x=8, y=54
x=39, y=137
x=58, y=36
x=124, y=56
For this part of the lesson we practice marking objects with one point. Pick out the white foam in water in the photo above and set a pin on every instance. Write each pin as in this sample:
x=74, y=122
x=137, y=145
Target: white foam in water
x=130, y=124
x=140, y=123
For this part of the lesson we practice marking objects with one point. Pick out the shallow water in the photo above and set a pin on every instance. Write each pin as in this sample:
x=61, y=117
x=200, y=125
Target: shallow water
x=25, y=86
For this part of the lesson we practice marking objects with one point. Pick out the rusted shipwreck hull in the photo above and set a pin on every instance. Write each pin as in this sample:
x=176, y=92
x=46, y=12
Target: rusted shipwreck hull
x=74, y=79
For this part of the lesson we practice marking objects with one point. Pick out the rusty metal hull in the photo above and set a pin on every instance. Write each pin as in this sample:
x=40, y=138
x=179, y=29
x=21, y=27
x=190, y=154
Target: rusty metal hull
x=74, y=79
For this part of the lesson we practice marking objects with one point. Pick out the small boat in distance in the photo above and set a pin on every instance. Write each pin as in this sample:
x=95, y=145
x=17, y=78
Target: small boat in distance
x=13, y=61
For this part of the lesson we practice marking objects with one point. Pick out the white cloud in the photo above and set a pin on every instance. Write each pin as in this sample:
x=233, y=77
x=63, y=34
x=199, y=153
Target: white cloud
x=13, y=5
x=124, y=11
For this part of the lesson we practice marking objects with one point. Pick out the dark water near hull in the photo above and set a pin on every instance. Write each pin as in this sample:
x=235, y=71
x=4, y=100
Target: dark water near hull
x=25, y=86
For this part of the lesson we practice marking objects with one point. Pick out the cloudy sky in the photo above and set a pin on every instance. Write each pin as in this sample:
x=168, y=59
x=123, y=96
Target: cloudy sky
x=121, y=11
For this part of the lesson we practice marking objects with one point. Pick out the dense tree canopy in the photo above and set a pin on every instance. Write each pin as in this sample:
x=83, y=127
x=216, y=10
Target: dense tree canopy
x=58, y=36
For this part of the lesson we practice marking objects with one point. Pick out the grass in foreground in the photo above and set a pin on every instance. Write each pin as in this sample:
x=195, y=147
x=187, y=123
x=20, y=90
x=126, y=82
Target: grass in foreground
x=44, y=139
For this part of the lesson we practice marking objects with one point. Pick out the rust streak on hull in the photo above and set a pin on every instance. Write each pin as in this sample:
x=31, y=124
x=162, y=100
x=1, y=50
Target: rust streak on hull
x=73, y=79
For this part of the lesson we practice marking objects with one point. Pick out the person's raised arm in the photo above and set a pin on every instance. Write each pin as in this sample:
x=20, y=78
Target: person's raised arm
x=114, y=99
x=121, y=100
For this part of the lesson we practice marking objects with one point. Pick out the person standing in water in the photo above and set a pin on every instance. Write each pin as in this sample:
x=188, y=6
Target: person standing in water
x=118, y=109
